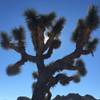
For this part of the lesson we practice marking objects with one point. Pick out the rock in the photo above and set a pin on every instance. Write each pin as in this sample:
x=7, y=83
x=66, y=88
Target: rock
x=89, y=97
x=73, y=96
x=23, y=98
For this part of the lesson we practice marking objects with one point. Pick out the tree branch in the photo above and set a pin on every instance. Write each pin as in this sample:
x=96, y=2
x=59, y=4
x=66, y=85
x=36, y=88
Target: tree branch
x=58, y=64
x=63, y=79
x=64, y=63
x=48, y=54
x=15, y=68
x=56, y=30
x=12, y=46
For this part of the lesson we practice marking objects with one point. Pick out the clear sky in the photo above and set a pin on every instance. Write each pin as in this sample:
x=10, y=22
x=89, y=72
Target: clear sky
x=11, y=16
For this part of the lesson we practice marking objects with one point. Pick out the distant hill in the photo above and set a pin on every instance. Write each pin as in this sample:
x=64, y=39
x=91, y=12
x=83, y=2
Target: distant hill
x=71, y=96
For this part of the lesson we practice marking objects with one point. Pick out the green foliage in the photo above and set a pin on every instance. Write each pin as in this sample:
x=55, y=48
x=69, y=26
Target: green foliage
x=56, y=43
x=80, y=64
x=91, y=45
x=13, y=70
x=47, y=19
x=57, y=28
x=31, y=18
x=84, y=26
x=78, y=31
x=18, y=34
x=76, y=78
x=5, y=40
x=93, y=19
x=74, y=35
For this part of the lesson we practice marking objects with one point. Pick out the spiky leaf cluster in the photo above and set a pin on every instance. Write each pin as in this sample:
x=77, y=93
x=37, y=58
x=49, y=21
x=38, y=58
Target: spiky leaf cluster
x=13, y=70
x=76, y=78
x=47, y=19
x=5, y=40
x=82, y=70
x=31, y=18
x=91, y=45
x=91, y=22
x=18, y=34
x=93, y=19
x=57, y=27
x=79, y=31
x=34, y=19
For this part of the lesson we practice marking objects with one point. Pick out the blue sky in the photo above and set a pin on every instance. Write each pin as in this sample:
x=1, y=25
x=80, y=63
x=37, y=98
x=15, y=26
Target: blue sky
x=11, y=16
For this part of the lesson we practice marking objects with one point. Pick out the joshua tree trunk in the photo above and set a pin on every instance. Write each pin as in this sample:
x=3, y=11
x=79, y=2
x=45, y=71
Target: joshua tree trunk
x=40, y=90
x=38, y=93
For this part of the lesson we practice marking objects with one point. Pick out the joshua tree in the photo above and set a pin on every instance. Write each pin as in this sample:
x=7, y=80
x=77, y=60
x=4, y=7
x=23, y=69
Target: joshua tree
x=47, y=24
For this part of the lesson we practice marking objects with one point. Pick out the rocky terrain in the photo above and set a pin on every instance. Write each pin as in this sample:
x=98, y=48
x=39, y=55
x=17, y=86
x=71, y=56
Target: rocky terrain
x=71, y=96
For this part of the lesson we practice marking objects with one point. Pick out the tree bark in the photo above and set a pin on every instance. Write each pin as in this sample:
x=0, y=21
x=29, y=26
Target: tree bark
x=40, y=91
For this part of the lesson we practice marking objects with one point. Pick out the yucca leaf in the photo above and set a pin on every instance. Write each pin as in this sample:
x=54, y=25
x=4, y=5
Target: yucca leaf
x=75, y=35
x=57, y=28
x=79, y=30
x=31, y=18
x=76, y=78
x=82, y=70
x=91, y=45
x=47, y=19
x=18, y=34
x=13, y=70
x=5, y=40
x=93, y=19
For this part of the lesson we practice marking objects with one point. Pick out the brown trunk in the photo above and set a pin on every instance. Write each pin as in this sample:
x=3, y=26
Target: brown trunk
x=39, y=92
